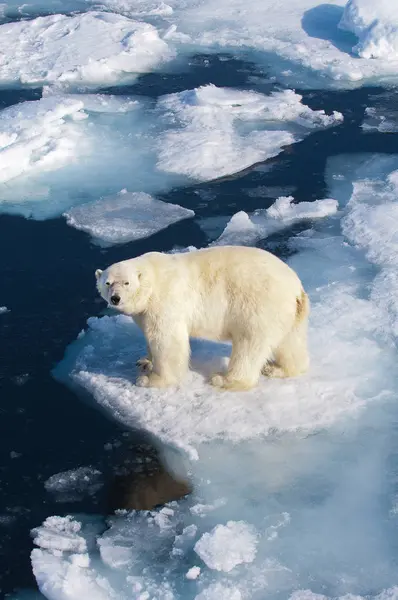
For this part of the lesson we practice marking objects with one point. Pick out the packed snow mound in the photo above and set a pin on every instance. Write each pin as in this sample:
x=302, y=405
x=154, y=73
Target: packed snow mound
x=125, y=217
x=39, y=135
x=212, y=132
x=376, y=26
x=247, y=229
x=91, y=49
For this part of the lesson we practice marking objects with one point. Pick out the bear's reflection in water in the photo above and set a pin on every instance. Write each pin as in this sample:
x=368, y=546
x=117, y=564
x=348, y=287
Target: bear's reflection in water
x=143, y=480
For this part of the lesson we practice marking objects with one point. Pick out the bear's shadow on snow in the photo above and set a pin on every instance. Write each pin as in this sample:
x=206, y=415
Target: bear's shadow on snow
x=112, y=350
x=322, y=22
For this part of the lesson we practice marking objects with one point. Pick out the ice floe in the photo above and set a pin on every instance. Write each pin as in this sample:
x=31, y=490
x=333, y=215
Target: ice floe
x=218, y=131
x=90, y=49
x=300, y=42
x=375, y=25
x=125, y=217
x=247, y=229
x=66, y=150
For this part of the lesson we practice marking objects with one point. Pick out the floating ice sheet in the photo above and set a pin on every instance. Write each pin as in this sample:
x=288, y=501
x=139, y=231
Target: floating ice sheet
x=298, y=41
x=62, y=151
x=247, y=229
x=219, y=131
x=375, y=25
x=66, y=150
x=92, y=49
x=125, y=217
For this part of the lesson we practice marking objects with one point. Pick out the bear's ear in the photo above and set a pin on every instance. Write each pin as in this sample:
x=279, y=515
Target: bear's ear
x=98, y=273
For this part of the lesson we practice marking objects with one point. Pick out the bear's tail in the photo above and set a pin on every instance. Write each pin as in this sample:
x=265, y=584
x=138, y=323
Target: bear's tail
x=302, y=307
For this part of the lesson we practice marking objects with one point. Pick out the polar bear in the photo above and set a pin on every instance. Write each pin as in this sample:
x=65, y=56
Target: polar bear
x=245, y=295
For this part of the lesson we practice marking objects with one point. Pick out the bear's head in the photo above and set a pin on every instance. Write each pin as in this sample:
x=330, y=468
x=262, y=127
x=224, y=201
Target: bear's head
x=125, y=286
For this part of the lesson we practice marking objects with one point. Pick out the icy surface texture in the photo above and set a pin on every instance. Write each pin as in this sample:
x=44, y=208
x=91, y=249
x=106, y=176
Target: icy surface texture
x=382, y=116
x=218, y=131
x=300, y=472
x=376, y=26
x=371, y=225
x=66, y=150
x=73, y=485
x=91, y=49
x=247, y=229
x=125, y=217
x=298, y=41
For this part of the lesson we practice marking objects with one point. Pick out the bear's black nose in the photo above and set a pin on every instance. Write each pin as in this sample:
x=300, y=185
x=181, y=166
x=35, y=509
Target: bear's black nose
x=115, y=299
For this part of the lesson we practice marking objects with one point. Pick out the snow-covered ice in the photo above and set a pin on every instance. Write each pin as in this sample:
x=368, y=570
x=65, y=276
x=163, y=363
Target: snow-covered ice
x=247, y=229
x=300, y=42
x=227, y=546
x=375, y=25
x=91, y=49
x=125, y=217
x=219, y=131
x=66, y=150
x=301, y=465
x=38, y=135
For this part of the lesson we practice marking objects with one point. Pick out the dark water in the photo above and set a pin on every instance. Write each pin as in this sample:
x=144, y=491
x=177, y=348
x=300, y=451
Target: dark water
x=47, y=280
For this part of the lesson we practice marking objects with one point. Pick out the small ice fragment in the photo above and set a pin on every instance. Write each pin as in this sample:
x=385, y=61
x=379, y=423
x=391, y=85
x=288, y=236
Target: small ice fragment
x=227, y=546
x=193, y=573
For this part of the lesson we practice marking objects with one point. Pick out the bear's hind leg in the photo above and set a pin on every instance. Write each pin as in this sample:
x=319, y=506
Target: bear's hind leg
x=247, y=358
x=291, y=356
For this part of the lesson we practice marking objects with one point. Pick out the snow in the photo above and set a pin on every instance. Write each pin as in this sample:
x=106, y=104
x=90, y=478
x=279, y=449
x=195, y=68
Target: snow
x=292, y=488
x=227, y=546
x=375, y=25
x=38, y=135
x=219, y=131
x=193, y=573
x=247, y=229
x=125, y=217
x=91, y=49
x=3, y=310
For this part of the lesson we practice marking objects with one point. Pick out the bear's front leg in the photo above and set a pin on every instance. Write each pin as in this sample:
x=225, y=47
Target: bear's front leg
x=170, y=357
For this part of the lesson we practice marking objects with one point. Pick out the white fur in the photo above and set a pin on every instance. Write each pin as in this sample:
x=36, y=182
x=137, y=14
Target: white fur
x=235, y=293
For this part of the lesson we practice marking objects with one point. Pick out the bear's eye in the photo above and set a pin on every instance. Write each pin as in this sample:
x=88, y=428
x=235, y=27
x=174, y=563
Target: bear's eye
x=107, y=283
x=126, y=283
